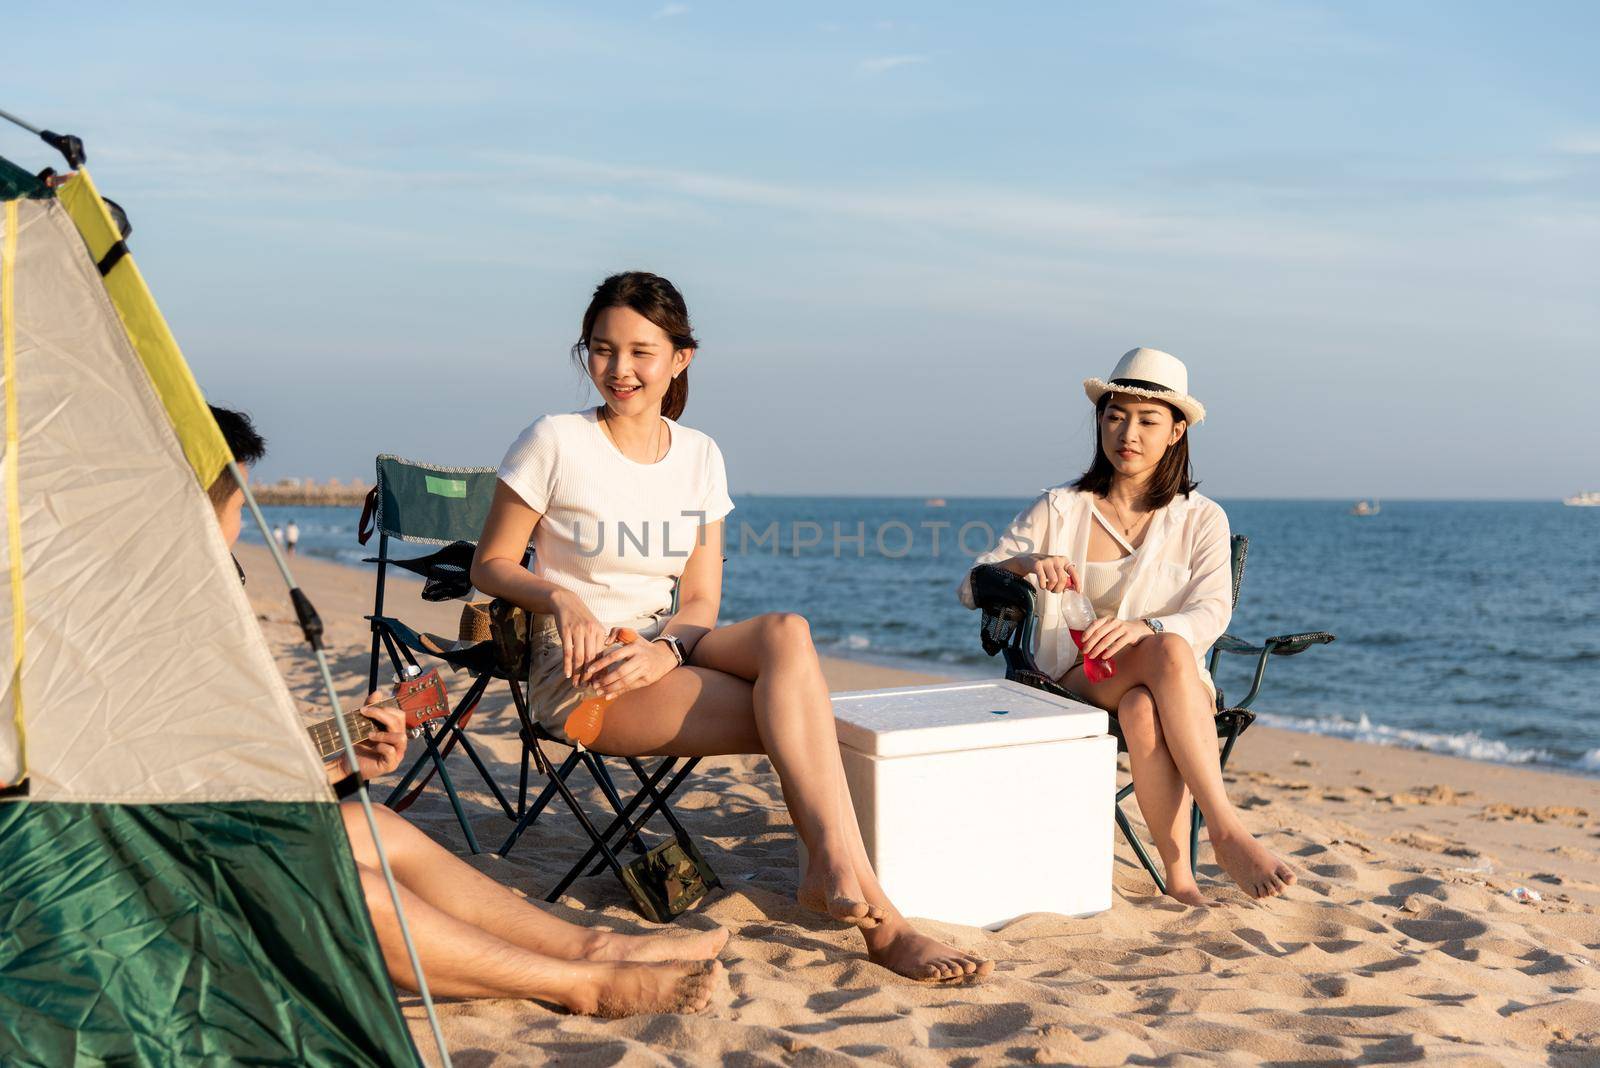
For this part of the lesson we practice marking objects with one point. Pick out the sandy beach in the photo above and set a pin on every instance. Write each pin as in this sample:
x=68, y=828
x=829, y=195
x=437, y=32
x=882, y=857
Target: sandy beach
x=1401, y=942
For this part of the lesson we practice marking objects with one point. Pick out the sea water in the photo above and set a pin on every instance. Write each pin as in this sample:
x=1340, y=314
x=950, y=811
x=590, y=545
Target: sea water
x=1470, y=628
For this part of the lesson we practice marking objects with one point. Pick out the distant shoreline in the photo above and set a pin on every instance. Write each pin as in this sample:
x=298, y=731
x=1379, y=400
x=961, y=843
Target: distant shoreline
x=312, y=495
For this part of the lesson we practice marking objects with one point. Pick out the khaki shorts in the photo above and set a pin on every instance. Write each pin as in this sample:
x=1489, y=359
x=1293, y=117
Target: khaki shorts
x=551, y=695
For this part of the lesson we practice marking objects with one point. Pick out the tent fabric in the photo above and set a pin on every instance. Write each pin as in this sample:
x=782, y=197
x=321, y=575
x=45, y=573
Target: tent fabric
x=175, y=881
x=16, y=182
x=175, y=934
x=147, y=679
x=12, y=481
x=203, y=444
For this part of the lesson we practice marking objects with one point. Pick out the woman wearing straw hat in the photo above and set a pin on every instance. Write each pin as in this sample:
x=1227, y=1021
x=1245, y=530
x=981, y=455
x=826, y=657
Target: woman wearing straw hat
x=1152, y=555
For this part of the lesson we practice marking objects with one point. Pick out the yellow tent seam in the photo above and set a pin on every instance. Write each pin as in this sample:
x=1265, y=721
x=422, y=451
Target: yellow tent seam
x=202, y=441
x=8, y=354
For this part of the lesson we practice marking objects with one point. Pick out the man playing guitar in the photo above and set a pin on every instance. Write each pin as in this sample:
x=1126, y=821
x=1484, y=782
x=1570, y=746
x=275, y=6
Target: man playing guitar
x=475, y=937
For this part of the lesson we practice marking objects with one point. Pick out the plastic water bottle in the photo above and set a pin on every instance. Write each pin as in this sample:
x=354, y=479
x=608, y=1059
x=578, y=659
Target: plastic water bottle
x=1078, y=613
x=584, y=722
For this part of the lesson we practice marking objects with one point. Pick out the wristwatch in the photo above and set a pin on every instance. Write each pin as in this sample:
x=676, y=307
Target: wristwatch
x=1154, y=625
x=673, y=642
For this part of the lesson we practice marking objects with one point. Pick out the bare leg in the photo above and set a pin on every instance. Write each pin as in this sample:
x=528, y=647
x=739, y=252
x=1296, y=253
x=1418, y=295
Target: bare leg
x=1160, y=792
x=756, y=687
x=461, y=960
x=462, y=892
x=1164, y=664
x=759, y=679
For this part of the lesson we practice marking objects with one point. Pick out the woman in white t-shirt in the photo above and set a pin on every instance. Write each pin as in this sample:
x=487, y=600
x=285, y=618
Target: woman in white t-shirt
x=1153, y=555
x=621, y=501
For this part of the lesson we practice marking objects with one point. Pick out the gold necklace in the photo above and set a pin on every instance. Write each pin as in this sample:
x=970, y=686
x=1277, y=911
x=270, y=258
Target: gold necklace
x=1127, y=527
x=655, y=436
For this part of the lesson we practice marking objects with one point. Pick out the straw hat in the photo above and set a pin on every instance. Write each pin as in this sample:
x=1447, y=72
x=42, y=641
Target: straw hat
x=1150, y=373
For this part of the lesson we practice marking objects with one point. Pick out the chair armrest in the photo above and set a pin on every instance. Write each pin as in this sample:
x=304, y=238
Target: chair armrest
x=1281, y=645
x=1290, y=644
x=1229, y=644
x=994, y=587
x=1006, y=601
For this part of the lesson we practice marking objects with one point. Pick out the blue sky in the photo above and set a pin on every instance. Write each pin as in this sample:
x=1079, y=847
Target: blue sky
x=906, y=231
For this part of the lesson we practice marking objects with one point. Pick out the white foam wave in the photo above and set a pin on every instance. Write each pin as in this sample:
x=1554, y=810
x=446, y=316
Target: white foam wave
x=1468, y=744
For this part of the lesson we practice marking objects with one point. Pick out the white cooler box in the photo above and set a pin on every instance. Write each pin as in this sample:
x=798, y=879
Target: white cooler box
x=981, y=801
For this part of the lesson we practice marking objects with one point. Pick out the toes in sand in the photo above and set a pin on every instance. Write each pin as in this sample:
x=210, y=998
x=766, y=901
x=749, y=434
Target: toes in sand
x=927, y=960
x=1252, y=865
x=835, y=893
x=632, y=988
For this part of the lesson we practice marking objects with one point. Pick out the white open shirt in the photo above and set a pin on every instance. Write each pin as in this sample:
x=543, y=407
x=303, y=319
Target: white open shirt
x=1181, y=576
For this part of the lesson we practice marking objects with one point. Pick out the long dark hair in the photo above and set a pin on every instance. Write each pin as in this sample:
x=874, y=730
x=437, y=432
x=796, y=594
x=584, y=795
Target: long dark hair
x=656, y=299
x=1174, y=474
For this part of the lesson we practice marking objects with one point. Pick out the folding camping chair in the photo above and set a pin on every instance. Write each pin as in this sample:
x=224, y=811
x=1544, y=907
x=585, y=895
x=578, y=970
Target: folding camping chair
x=674, y=861
x=447, y=506
x=444, y=506
x=1009, y=620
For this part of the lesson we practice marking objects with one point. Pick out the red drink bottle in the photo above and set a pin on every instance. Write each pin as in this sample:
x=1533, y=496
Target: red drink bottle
x=1078, y=611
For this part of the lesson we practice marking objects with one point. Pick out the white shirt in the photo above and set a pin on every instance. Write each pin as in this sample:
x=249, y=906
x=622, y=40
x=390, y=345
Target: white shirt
x=1182, y=573
x=614, y=531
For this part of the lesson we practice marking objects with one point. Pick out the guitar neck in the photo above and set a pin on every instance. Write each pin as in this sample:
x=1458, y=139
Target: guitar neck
x=325, y=735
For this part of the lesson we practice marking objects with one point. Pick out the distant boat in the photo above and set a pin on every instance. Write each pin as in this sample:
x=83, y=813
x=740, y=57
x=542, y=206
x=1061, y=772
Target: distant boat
x=934, y=502
x=1584, y=500
x=1366, y=508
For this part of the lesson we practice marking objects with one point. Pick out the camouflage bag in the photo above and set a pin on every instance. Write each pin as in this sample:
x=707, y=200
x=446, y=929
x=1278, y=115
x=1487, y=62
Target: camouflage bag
x=669, y=880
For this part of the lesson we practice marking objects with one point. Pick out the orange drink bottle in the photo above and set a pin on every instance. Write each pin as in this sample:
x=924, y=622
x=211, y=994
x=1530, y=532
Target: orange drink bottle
x=584, y=722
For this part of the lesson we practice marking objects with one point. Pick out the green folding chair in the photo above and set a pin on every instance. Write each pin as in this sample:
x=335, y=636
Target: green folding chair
x=1009, y=621
x=429, y=504
x=447, y=506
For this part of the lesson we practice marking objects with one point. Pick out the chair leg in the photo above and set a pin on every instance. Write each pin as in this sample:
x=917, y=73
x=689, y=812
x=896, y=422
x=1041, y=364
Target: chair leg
x=684, y=838
x=602, y=776
x=632, y=832
x=589, y=828
x=619, y=821
x=450, y=790
x=483, y=773
x=377, y=610
x=1126, y=826
x=531, y=815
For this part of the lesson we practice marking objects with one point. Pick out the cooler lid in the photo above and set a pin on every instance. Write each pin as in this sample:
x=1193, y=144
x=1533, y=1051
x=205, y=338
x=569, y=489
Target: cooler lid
x=952, y=716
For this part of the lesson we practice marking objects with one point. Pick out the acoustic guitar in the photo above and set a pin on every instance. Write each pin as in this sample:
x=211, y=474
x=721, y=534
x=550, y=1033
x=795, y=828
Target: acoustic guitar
x=422, y=699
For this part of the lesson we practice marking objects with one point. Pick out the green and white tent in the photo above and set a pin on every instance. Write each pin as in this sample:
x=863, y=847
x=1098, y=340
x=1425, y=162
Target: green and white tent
x=175, y=881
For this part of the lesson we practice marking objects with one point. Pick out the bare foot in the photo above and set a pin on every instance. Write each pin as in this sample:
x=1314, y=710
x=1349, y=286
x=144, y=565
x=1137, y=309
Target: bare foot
x=835, y=892
x=1252, y=865
x=662, y=945
x=1188, y=892
x=629, y=988
x=916, y=956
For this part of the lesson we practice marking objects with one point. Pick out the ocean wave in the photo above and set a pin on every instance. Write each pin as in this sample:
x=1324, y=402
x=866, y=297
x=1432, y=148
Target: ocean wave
x=1469, y=744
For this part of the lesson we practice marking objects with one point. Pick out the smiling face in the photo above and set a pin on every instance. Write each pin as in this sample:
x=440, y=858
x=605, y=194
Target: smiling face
x=632, y=361
x=1135, y=432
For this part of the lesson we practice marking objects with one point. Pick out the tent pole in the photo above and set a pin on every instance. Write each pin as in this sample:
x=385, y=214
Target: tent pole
x=312, y=626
